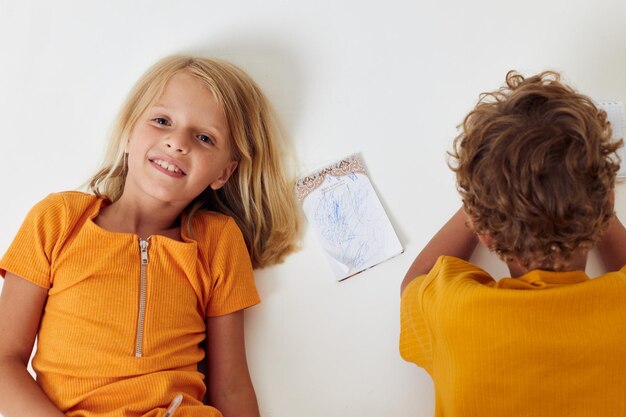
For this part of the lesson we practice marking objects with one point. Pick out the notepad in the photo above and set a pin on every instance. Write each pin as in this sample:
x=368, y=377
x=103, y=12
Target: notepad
x=617, y=117
x=343, y=209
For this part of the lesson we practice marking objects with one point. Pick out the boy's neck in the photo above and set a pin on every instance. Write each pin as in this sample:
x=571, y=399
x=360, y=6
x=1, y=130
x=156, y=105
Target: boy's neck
x=578, y=262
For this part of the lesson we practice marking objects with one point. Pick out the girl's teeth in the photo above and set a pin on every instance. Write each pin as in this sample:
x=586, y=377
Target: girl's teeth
x=165, y=165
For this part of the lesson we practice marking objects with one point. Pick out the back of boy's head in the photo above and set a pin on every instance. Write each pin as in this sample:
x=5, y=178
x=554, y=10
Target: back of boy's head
x=535, y=167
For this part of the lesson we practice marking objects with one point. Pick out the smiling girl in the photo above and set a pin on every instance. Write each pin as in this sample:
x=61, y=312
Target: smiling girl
x=122, y=285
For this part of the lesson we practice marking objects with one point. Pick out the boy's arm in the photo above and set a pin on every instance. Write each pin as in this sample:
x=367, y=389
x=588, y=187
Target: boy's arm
x=21, y=306
x=229, y=387
x=453, y=239
x=612, y=246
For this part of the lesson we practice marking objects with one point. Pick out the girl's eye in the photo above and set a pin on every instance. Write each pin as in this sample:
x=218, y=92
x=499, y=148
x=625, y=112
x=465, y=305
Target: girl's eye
x=161, y=121
x=205, y=139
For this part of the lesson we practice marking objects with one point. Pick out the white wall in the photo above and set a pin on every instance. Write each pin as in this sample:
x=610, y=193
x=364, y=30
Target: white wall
x=390, y=79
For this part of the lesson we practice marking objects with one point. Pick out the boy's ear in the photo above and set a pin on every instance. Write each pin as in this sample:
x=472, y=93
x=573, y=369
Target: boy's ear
x=485, y=239
x=226, y=173
x=612, y=196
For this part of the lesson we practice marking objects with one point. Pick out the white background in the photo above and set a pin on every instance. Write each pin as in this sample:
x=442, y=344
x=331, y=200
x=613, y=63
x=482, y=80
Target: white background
x=390, y=79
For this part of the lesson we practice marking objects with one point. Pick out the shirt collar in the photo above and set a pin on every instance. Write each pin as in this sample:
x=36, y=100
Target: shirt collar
x=538, y=279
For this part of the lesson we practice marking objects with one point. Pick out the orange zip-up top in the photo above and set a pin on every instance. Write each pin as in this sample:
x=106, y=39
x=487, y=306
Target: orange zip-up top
x=544, y=344
x=124, y=318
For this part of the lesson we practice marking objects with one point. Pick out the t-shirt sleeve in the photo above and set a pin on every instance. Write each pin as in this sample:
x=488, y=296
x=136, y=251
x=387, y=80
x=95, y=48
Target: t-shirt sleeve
x=415, y=337
x=421, y=300
x=233, y=286
x=32, y=252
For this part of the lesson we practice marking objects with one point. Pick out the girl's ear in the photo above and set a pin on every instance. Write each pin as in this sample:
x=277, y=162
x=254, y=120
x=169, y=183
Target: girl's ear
x=226, y=173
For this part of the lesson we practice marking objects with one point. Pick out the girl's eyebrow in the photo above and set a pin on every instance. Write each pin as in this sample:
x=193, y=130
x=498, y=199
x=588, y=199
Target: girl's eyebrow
x=159, y=106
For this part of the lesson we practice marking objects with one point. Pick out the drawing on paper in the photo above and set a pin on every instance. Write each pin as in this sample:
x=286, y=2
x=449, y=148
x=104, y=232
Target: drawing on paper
x=343, y=209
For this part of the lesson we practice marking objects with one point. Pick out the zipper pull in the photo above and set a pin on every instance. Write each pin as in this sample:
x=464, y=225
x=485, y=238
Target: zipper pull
x=143, y=246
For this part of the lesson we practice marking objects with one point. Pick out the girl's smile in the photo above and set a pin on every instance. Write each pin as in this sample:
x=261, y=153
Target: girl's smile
x=168, y=166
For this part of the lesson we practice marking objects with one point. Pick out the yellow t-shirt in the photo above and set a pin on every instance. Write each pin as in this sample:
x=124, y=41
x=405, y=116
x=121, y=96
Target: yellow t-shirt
x=111, y=343
x=544, y=344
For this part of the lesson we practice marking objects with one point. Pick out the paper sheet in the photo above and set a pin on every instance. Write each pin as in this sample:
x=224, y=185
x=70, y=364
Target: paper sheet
x=348, y=218
x=617, y=117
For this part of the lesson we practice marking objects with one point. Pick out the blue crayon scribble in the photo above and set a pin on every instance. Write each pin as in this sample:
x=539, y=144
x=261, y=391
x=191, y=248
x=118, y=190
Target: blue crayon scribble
x=347, y=221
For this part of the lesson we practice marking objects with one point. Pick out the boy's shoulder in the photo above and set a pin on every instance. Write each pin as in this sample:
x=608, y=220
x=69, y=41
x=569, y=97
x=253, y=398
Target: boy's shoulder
x=450, y=271
x=451, y=267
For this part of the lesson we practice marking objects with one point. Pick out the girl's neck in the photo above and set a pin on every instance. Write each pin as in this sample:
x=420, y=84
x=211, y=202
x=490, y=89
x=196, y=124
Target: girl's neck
x=141, y=218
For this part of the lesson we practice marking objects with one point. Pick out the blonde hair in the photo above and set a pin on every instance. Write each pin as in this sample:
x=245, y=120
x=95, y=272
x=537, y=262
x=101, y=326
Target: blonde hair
x=260, y=193
x=535, y=166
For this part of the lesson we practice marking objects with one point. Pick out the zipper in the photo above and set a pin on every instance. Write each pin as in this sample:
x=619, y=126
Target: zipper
x=143, y=249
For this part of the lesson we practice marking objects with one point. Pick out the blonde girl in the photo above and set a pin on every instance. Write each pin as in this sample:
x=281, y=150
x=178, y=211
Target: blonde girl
x=122, y=285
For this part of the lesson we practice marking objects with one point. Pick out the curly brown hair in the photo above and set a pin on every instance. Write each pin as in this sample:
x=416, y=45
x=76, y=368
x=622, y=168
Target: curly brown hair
x=535, y=166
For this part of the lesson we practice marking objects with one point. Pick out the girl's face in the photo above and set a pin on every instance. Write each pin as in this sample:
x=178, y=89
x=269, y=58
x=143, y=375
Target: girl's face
x=180, y=145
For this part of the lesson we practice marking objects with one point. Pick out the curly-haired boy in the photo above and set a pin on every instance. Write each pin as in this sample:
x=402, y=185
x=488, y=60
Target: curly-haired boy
x=535, y=168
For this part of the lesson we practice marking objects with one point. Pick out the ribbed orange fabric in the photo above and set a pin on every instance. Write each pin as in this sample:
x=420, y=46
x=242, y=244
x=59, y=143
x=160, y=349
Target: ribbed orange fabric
x=85, y=360
x=545, y=344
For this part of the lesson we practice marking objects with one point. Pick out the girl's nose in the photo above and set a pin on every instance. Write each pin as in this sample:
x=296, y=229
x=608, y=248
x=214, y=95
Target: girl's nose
x=177, y=142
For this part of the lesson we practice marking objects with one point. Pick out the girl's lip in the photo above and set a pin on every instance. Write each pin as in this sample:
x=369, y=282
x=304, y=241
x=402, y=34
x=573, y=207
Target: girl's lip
x=182, y=170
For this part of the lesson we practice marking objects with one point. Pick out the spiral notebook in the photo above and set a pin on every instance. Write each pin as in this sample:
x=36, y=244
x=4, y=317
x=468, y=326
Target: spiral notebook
x=350, y=222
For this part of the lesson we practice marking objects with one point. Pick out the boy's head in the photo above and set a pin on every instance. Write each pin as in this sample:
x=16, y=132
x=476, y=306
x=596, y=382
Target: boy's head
x=536, y=167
